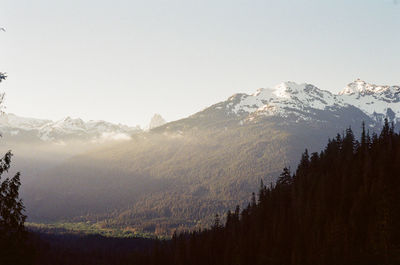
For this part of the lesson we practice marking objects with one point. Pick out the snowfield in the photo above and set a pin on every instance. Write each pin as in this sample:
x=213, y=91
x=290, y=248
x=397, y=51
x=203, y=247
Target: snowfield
x=292, y=98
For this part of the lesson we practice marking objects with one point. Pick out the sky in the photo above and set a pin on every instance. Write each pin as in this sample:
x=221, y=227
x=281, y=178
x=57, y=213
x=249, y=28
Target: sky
x=124, y=60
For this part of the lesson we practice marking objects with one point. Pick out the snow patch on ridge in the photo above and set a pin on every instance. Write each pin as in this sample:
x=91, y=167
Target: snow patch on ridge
x=290, y=98
x=372, y=99
x=67, y=128
x=287, y=95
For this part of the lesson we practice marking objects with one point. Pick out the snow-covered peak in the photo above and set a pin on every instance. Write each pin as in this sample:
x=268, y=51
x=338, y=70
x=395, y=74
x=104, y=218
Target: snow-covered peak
x=374, y=100
x=69, y=123
x=286, y=89
x=363, y=88
x=305, y=100
x=287, y=96
x=283, y=90
x=21, y=122
x=64, y=129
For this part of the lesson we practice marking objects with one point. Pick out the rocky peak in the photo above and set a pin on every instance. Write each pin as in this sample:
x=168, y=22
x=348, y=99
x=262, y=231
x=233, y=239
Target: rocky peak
x=156, y=121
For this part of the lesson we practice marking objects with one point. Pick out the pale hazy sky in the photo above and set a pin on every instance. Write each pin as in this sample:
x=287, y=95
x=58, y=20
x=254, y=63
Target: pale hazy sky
x=124, y=60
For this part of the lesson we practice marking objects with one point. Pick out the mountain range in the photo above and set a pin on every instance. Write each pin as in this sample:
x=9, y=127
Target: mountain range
x=180, y=174
x=286, y=99
x=304, y=101
x=66, y=129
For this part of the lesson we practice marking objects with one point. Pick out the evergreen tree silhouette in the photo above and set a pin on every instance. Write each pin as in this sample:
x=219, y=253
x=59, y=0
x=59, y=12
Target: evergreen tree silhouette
x=13, y=249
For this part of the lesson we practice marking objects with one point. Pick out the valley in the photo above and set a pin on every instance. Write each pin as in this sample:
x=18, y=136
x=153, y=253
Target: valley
x=179, y=175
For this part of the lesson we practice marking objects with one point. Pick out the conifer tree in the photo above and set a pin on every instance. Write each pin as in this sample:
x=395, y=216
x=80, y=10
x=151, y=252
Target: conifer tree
x=284, y=178
x=12, y=218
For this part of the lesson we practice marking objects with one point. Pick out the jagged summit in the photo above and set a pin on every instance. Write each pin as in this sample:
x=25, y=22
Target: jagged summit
x=378, y=101
x=283, y=99
x=363, y=88
x=305, y=100
x=156, y=121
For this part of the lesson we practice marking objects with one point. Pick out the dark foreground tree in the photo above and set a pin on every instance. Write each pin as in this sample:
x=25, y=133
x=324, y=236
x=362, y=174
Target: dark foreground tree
x=13, y=237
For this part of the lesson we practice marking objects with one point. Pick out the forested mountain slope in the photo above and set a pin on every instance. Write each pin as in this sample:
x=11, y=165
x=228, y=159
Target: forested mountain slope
x=341, y=206
x=182, y=173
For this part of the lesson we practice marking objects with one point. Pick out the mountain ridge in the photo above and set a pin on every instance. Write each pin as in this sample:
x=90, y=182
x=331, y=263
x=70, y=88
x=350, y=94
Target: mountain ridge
x=173, y=176
x=292, y=98
x=65, y=129
x=287, y=98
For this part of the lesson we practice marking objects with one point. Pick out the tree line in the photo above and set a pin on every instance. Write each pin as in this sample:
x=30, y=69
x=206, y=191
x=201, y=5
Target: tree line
x=340, y=206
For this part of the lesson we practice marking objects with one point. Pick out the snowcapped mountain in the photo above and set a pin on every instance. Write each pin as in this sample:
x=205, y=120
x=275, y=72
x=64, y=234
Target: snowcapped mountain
x=63, y=130
x=376, y=101
x=304, y=102
x=288, y=100
x=284, y=100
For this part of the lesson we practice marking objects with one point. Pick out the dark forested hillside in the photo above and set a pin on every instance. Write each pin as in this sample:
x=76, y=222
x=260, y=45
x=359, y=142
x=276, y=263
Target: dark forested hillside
x=341, y=206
